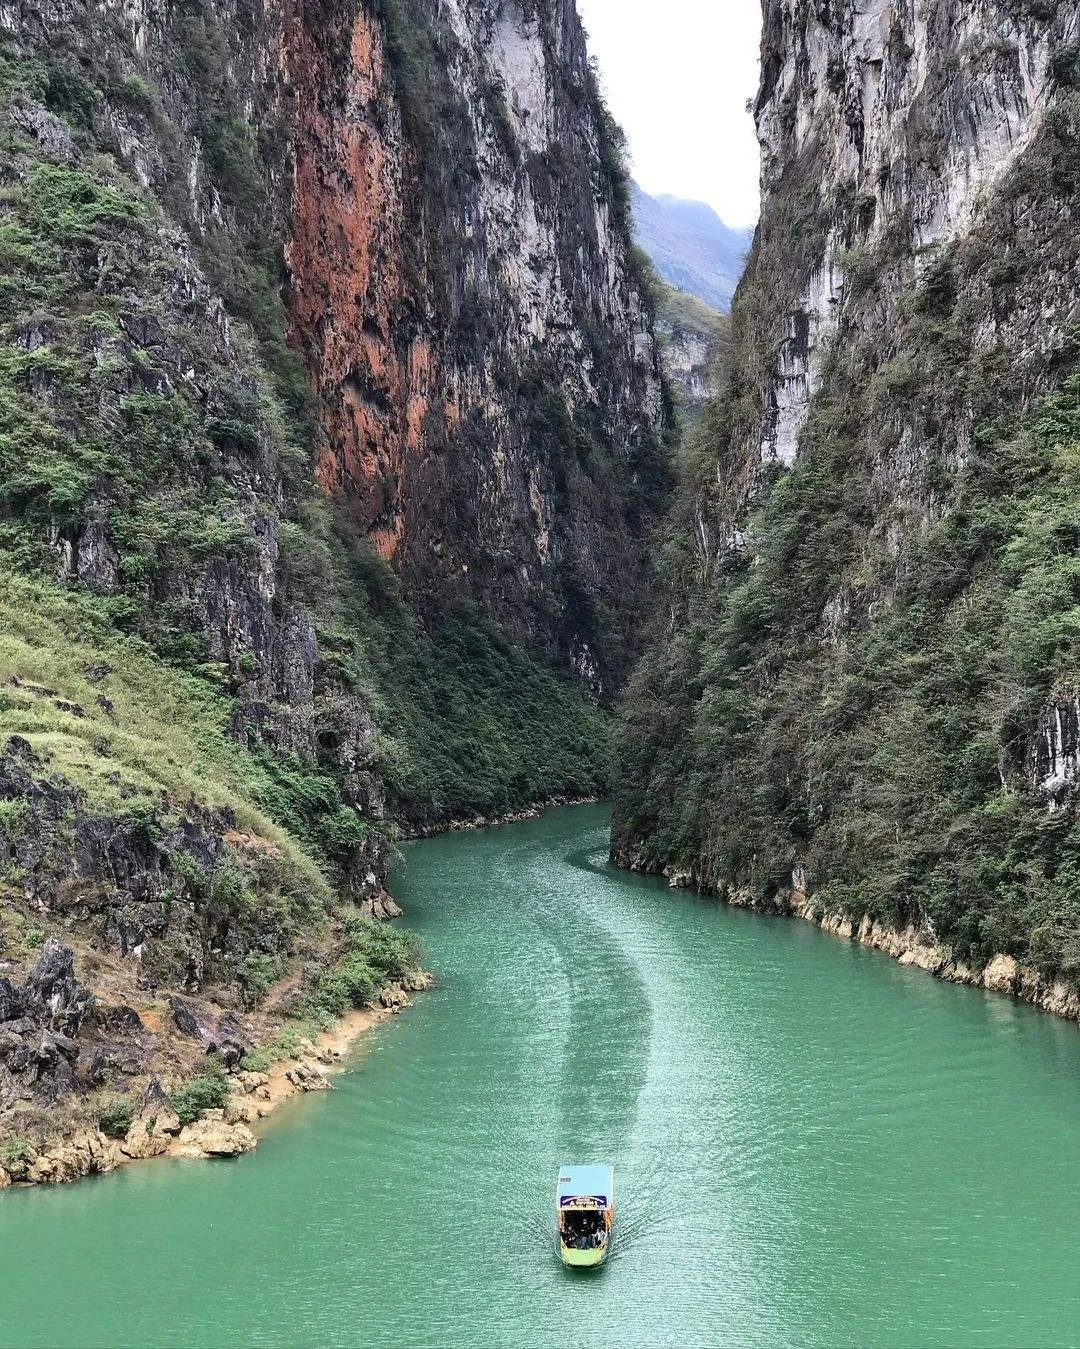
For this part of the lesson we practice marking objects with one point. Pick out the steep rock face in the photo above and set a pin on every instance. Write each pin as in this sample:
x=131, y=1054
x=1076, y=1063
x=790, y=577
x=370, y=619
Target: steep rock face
x=862, y=672
x=460, y=282
x=911, y=113
x=692, y=338
x=331, y=438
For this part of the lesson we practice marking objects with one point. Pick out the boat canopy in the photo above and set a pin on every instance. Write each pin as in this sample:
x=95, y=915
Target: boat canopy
x=591, y=1186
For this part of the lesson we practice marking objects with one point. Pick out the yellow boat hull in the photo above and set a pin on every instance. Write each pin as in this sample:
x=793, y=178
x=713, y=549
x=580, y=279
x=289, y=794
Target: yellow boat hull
x=578, y=1259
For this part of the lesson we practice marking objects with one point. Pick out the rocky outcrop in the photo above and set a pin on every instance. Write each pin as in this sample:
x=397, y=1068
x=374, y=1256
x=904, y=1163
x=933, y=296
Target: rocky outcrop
x=141, y=887
x=1053, y=759
x=40, y=1022
x=212, y=1136
x=692, y=338
x=907, y=115
x=37, y=1148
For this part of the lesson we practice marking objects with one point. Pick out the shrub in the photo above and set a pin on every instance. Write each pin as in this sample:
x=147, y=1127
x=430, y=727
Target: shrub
x=13, y=1149
x=208, y=1091
x=376, y=954
x=115, y=1118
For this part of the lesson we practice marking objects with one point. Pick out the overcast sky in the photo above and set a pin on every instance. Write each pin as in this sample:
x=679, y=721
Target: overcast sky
x=677, y=74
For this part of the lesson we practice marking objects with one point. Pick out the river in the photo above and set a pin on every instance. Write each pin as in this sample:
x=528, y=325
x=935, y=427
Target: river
x=813, y=1146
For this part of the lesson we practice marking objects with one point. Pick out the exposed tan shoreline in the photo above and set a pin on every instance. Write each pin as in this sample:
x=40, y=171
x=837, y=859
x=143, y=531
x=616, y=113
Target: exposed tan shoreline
x=910, y=946
x=84, y=1150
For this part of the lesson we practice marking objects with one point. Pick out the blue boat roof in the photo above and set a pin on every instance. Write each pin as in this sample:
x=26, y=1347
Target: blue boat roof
x=586, y=1180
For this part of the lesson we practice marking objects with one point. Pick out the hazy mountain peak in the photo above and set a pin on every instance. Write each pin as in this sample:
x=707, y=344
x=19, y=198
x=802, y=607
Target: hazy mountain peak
x=690, y=246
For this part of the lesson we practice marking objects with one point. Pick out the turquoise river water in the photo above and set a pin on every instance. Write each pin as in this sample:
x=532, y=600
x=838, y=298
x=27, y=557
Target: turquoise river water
x=813, y=1146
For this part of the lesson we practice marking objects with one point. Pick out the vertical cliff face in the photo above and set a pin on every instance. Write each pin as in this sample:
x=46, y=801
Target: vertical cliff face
x=331, y=438
x=462, y=288
x=863, y=671
x=692, y=338
x=911, y=114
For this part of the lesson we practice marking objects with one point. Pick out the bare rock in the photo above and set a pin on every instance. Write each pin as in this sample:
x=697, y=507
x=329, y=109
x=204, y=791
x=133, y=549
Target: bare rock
x=394, y=998
x=242, y=1109
x=118, y=1020
x=184, y=1018
x=215, y=1137
x=145, y=1139
x=1001, y=974
x=956, y=972
x=308, y=1076
x=230, y=1041
x=380, y=905
x=86, y=1154
x=1061, y=1000
x=155, y=1110
x=930, y=958
x=51, y=132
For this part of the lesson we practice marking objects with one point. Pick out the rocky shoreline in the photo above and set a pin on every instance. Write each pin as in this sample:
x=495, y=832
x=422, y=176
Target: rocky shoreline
x=912, y=945
x=156, y=1129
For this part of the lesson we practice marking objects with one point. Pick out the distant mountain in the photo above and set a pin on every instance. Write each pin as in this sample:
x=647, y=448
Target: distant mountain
x=690, y=246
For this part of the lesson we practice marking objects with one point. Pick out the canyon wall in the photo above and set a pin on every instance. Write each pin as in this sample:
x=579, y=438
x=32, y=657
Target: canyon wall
x=692, y=337
x=461, y=284
x=332, y=435
x=861, y=684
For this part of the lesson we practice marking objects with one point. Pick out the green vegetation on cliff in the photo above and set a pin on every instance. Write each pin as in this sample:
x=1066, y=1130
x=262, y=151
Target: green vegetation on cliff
x=218, y=707
x=859, y=688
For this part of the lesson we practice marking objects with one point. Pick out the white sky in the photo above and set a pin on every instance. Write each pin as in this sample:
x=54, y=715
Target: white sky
x=677, y=74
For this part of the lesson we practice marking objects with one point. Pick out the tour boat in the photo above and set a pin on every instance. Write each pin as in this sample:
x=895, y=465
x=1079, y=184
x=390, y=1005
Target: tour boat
x=585, y=1210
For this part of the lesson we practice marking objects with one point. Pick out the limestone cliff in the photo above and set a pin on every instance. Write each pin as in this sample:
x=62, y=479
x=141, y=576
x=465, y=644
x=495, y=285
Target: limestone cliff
x=460, y=284
x=692, y=338
x=863, y=671
x=331, y=439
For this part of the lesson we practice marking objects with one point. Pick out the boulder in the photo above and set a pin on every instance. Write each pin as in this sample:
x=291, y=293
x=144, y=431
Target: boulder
x=230, y=1042
x=119, y=1020
x=308, y=1076
x=394, y=998
x=241, y=1109
x=381, y=906
x=184, y=1018
x=103, y=1064
x=215, y=1137
x=145, y=1139
x=51, y=995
